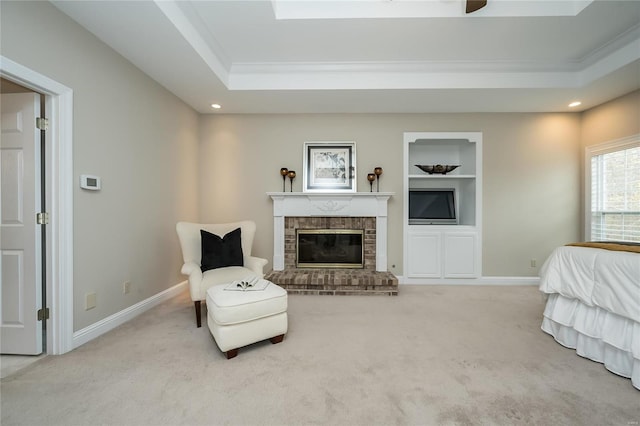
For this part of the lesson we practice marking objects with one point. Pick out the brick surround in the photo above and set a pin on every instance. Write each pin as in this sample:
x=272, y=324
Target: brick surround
x=367, y=224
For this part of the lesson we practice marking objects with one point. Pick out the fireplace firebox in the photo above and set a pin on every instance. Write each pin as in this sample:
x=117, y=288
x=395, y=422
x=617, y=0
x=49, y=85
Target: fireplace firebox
x=329, y=248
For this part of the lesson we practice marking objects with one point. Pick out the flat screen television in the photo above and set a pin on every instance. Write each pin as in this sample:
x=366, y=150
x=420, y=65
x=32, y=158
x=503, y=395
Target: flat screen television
x=432, y=206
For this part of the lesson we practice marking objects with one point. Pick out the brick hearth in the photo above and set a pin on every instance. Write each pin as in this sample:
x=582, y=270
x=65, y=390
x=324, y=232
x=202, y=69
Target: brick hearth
x=335, y=282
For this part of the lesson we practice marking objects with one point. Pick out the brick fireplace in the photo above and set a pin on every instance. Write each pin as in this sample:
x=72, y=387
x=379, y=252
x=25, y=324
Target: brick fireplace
x=308, y=211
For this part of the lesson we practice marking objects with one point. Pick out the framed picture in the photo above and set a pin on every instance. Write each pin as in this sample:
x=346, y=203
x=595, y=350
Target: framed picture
x=329, y=167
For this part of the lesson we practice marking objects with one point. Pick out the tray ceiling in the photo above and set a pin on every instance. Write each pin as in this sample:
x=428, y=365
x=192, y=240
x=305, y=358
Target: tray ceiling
x=376, y=56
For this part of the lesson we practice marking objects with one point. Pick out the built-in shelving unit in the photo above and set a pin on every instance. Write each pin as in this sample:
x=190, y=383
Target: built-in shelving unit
x=438, y=253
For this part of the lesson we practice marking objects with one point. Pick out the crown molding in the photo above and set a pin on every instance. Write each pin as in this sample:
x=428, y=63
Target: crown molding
x=337, y=76
x=437, y=74
x=206, y=47
x=427, y=75
x=605, y=64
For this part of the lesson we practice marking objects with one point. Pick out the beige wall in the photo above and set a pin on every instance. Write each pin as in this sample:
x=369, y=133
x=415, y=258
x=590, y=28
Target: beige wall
x=608, y=122
x=612, y=120
x=130, y=131
x=531, y=174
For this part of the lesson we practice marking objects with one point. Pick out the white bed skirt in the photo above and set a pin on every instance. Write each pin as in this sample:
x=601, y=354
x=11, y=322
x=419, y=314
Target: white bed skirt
x=595, y=334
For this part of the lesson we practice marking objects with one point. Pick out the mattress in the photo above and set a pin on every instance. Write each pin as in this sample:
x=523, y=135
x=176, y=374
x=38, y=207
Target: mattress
x=594, y=306
x=607, y=279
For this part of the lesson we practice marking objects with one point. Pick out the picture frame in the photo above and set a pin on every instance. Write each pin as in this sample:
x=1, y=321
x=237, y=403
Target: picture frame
x=329, y=167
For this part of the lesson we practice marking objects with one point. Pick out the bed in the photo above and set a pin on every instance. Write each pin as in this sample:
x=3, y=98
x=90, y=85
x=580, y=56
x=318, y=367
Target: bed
x=593, y=303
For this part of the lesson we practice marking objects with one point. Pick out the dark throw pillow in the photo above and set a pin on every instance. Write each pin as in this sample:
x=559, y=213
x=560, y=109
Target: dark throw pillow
x=220, y=252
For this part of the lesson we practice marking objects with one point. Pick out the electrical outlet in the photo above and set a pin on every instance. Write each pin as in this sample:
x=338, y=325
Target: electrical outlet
x=534, y=263
x=126, y=287
x=89, y=301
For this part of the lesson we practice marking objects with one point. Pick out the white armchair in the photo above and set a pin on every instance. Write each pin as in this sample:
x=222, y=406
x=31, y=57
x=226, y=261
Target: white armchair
x=200, y=282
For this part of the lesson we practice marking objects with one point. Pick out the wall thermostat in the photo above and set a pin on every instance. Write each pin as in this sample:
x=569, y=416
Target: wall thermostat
x=89, y=182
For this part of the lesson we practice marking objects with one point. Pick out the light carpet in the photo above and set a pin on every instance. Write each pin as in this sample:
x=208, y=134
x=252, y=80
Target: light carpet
x=431, y=356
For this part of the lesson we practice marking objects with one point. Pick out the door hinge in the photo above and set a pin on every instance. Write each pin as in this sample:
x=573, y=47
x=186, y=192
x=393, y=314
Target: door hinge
x=43, y=314
x=42, y=218
x=42, y=123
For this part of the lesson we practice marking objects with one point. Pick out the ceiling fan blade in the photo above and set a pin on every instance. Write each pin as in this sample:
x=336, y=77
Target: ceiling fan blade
x=473, y=5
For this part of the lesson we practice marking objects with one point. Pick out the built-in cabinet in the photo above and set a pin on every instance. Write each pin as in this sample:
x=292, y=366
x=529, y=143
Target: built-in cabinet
x=440, y=252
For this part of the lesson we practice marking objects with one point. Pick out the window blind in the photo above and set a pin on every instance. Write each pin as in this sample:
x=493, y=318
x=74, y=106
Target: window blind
x=615, y=196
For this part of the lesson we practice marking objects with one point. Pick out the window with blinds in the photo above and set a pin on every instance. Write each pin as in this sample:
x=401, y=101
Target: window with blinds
x=615, y=195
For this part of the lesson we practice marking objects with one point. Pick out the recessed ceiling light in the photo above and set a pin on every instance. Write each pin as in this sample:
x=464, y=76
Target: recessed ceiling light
x=575, y=104
x=215, y=106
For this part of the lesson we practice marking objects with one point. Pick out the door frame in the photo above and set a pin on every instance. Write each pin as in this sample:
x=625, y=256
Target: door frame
x=59, y=200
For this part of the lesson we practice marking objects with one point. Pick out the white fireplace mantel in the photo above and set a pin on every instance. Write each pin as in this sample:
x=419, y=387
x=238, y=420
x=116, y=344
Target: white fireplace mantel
x=348, y=204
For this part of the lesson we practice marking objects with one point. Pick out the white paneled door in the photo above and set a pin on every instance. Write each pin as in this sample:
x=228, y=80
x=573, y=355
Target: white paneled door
x=20, y=236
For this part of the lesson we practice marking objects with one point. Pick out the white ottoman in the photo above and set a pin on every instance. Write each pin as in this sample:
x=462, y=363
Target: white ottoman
x=239, y=318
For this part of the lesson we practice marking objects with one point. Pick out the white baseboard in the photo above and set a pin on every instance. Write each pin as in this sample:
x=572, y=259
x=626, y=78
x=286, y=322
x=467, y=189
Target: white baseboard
x=471, y=281
x=89, y=333
x=510, y=280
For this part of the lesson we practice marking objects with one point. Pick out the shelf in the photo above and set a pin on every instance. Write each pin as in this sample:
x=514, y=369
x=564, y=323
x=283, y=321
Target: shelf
x=440, y=227
x=343, y=194
x=444, y=251
x=441, y=176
